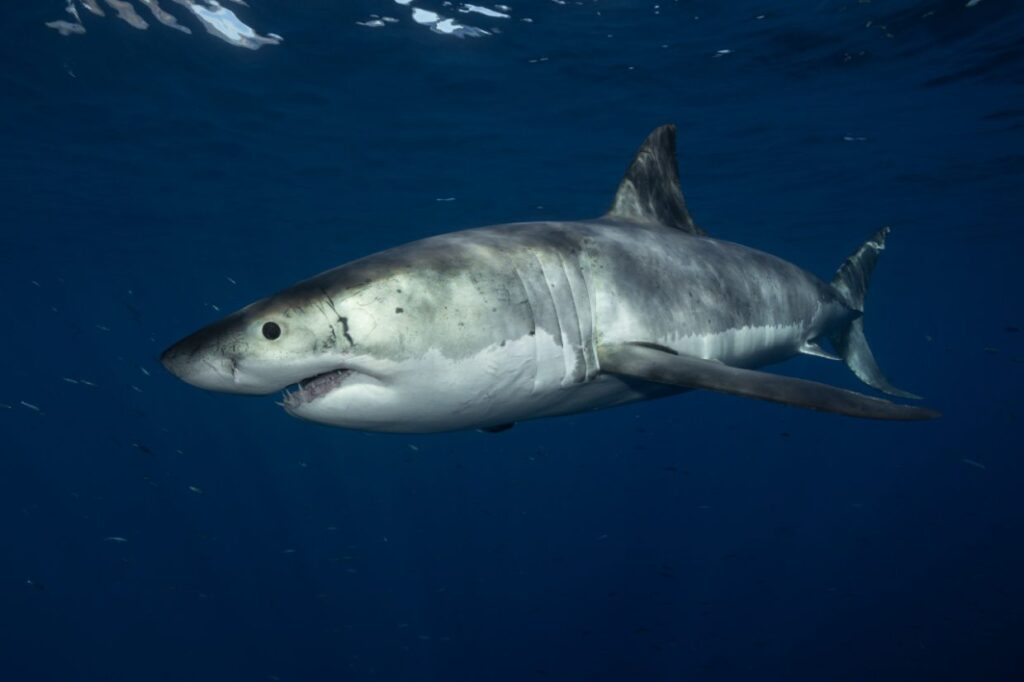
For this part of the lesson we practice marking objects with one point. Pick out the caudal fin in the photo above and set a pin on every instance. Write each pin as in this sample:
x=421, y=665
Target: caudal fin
x=851, y=283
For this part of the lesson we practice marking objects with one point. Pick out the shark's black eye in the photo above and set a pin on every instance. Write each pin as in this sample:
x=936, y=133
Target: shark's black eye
x=271, y=330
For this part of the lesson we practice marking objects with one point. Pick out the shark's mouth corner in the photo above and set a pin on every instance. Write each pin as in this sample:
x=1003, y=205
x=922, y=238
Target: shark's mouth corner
x=314, y=387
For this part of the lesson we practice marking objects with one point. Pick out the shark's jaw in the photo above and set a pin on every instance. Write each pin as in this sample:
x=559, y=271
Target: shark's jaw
x=313, y=388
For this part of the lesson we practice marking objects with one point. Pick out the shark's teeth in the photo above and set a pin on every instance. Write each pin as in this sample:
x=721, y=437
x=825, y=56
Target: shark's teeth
x=312, y=388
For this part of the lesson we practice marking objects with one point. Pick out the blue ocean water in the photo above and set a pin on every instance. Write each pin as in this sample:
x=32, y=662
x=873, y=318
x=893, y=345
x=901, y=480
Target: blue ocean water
x=154, y=180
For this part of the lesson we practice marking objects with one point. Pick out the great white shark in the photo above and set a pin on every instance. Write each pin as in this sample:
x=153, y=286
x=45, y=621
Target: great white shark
x=487, y=327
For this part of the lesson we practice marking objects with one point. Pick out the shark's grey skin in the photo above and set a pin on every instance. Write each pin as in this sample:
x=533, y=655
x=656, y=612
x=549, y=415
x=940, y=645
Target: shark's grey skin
x=486, y=327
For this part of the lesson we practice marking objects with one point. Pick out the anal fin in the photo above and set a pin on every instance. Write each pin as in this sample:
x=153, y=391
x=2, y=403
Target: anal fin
x=653, y=364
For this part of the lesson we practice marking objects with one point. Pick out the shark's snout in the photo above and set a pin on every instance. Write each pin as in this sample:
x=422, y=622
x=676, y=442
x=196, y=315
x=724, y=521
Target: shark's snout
x=200, y=365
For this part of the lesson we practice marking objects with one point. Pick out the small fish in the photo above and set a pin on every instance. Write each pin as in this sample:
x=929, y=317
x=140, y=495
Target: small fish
x=136, y=388
x=30, y=406
x=5, y=406
x=196, y=489
x=230, y=280
x=86, y=382
x=103, y=328
x=115, y=538
x=70, y=380
x=144, y=370
x=974, y=463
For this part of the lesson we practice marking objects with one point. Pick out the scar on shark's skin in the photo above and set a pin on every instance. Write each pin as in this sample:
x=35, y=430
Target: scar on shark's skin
x=343, y=320
x=344, y=330
x=529, y=320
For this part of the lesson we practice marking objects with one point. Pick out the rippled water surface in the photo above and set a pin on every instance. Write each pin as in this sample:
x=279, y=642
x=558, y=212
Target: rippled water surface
x=166, y=162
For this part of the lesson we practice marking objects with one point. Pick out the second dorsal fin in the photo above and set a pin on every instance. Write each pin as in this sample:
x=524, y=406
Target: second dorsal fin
x=649, y=192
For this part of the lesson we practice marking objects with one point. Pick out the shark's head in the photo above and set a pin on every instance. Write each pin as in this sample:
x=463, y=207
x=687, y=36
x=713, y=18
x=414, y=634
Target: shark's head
x=298, y=337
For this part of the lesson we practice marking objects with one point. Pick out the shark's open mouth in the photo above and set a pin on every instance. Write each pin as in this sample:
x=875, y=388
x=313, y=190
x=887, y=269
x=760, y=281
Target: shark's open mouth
x=314, y=387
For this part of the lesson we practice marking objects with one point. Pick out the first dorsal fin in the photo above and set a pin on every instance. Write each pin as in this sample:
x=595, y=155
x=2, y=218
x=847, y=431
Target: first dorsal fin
x=650, y=192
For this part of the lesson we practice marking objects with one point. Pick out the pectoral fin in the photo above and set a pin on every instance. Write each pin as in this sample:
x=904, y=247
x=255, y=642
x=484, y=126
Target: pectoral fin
x=664, y=366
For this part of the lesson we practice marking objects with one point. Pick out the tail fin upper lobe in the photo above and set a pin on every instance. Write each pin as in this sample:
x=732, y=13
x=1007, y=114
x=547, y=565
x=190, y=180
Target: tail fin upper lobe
x=851, y=283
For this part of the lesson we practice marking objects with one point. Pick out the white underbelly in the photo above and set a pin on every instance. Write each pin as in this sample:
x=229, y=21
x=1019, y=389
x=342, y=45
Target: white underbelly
x=525, y=378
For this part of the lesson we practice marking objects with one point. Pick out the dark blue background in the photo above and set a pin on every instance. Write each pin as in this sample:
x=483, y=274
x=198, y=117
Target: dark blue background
x=696, y=538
